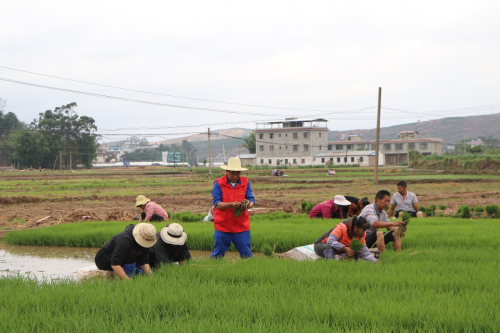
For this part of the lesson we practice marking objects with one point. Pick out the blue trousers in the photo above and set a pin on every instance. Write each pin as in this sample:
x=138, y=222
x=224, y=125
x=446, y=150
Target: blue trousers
x=132, y=269
x=241, y=241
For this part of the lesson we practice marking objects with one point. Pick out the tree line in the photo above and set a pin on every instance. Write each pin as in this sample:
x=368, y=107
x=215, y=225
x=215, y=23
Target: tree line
x=56, y=138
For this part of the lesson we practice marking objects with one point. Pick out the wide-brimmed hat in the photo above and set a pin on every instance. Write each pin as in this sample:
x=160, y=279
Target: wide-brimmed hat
x=173, y=234
x=233, y=164
x=341, y=200
x=141, y=200
x=145, y=234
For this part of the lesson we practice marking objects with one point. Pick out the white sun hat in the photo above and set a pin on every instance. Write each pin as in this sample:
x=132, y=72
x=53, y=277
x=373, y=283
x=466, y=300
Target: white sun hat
x=233, y=164
x=341, y=200
x=141, y=200
x=173, y=234
x=145, y=234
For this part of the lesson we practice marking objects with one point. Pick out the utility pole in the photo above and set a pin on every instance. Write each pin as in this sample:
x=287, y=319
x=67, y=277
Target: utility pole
x=209, y=155
x=60, y=161
x=70, y=160
x=377, y=138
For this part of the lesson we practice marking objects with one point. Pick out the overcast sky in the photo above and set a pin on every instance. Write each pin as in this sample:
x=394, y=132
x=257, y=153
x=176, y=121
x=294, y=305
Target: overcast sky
x=331, y=56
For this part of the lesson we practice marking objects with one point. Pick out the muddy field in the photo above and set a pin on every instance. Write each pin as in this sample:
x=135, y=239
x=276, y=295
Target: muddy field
x=31, y=200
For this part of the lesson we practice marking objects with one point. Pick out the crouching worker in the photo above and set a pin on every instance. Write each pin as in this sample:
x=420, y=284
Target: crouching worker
x=330, y=209
x=338, y=240
x=171, y=247
x=127, y=252
x=151, y=211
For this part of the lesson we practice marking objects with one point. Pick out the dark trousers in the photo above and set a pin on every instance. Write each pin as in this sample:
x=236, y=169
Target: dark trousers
x=319, y=248
x=103, y=259
x=154, y=218
x=371, y=238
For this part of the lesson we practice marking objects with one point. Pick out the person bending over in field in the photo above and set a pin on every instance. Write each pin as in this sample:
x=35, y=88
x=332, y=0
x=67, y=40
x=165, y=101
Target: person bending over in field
x=232, y=196
x=127, y=252
x=151, y=211
x=376, y=216
x=404, y=201
x=171, y=247
x=337, y=240
x=330, y=209
x=356, y=206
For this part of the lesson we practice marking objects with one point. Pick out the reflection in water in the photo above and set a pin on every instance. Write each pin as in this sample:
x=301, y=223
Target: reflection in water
x=53, y=263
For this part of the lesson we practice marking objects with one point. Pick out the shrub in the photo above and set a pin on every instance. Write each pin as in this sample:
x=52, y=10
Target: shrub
x=464, y=211
x=431, y=210
x=442, y=207
x=303, y=205
x=479, y=209
x=492, y=210
x=309, y=207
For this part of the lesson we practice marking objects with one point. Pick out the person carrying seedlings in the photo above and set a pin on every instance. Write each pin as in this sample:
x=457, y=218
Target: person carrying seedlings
x=377, y=218
x=126, y=253
x=330, y=209
x=171, y=246
x=404, y=201
x=338, y=240
x=232, y=196
x=356, y=206
x=151, y=211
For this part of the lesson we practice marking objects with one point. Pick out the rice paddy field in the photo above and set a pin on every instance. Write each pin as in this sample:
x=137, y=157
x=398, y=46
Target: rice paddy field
x=446, y=279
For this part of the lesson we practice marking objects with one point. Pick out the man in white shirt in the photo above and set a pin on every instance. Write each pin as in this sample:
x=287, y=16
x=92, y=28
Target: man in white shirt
x=404, y=201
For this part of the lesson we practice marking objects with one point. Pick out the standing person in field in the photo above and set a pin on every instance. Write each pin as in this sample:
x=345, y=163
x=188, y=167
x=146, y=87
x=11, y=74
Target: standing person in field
x=356, y=206
x=330, y=209
x=232, y=194
x=151, y=211
x=127, y=252
x=337, y=240
x=171, y=246
x=376, y=216
x=404, y=201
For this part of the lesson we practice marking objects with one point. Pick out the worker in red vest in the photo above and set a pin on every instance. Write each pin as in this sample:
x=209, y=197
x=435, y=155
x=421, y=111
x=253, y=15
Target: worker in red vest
x=232, y=196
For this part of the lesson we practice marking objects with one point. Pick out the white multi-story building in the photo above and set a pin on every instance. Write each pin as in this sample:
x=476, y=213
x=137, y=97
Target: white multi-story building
x=294, y=141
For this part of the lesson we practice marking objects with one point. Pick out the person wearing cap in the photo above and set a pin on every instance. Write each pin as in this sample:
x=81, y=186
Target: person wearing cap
x=232, y=194
x=126, y=253
x=151, y=211
x=404, y=201
x=171, y=246
x=330, y=209
x=356, y=206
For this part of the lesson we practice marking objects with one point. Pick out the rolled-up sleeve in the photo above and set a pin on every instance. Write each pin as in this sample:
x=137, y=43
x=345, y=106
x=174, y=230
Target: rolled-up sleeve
x=333, y=241
x=249, y=194
x=216, y=194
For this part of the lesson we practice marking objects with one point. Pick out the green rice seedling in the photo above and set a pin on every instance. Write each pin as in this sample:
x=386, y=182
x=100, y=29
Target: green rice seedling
x=267, y=250
x=442, y=207
x=432, y=210
x=356, y=245
x=303, y=205
x=406, y=218
x=309, y=207
x=464, y=211
x=492, y=211
x=423, y=209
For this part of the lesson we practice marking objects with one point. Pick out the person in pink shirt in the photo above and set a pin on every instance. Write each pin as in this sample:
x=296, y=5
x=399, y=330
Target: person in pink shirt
x=330, y=209
x=151, y=211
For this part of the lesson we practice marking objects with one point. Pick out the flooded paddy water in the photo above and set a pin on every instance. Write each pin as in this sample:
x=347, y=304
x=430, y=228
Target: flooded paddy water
x=56, y=263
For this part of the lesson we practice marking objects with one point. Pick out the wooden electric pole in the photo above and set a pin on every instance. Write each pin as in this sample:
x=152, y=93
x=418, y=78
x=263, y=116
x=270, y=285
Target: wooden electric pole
x=209, y=155
x=70, y=161
x=377, y=137
x=60, y=161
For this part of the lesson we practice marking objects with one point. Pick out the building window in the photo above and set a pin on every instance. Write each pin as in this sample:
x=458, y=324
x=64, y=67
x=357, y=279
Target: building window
x=349, y=147
x=387, y=146
x=270, y=161
x=339, y=147
x=261, y=161
x=271, y=135
x=330, y=147
x=294, y=161
x=338, y=159
x=279, y=135
x=295, y=135
x=399, y=146
x=303, y=161
x=331, y=160
x=286, y=161
x=361, y=159
x=280, y=147
x=345, y=159
x=423, y=145
x=295, y=147
x=271, y=147
x=352, y=159
x=261, y=136
x=372, y=147
x=286, y=135
x=320, y=134
x=319, y=147
x=306, y=147
x=411, y=145
x=261, y=148
x=322, y=160
x=306, y=135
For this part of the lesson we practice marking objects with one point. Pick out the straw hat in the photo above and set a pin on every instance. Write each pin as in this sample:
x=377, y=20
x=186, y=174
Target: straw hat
x=141, y=200
x=233, y=164
x=173, y=234
x=145, y=234
x=341, y=200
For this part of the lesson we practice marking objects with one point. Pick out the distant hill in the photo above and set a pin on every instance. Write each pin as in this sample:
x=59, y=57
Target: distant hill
x=451, y=130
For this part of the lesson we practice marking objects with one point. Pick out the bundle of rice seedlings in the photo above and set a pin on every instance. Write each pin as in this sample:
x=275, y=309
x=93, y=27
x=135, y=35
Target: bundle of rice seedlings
x=406, y=218
x=356, y=246
x=239, y=210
